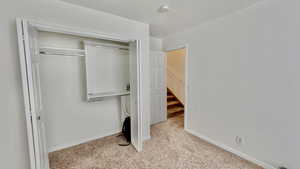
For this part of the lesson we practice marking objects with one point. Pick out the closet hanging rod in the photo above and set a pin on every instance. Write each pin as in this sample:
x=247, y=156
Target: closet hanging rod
x=61, y=51
x=99, y=44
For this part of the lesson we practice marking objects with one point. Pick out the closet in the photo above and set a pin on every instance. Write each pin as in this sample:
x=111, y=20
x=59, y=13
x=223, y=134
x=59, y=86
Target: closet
x=77, y=85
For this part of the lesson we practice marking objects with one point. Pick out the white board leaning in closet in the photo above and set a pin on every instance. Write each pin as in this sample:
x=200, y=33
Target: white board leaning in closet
x=29, y=62
x=107, y=69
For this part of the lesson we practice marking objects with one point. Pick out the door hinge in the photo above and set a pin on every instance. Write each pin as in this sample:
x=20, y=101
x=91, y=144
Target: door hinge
x=30, y=114
x=23, y=37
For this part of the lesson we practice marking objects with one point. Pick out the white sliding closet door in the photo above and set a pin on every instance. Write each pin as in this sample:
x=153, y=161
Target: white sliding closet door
x=29, y=60
x=158, y=87
x=135, y=110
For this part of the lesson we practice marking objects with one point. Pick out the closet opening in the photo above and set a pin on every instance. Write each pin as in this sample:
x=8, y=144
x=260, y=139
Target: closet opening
x=78, y=86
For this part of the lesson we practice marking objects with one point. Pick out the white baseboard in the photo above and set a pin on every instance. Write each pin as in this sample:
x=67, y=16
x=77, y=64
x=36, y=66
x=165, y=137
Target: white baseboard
x=232, y=150
x=146, y=138
x=159, y=121
x=63, y=146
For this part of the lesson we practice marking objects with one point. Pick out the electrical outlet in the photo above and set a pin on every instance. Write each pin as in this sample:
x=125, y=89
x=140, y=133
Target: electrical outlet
x=239, y=140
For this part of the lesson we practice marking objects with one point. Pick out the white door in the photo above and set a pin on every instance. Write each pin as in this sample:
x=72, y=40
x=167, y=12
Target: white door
x=158, y=87
x=135, y=110
x=29, y=60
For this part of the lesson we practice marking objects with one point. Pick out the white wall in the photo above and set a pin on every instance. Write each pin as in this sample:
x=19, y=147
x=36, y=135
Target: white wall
x=176, y=62
x=244, y=80
x=155, y=44
x=13, y=142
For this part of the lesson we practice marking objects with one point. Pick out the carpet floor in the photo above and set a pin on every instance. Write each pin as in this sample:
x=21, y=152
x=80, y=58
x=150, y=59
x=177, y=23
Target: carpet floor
x=170, y=147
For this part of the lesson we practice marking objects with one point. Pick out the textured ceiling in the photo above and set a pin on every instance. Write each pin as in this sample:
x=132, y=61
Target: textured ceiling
x=183, y=14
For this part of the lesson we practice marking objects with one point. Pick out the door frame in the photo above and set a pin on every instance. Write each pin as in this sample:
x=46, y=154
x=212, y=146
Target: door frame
x=186, y=84
x=55, y=28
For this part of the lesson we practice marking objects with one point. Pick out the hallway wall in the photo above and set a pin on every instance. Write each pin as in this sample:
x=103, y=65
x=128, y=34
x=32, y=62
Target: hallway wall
x=155, y=44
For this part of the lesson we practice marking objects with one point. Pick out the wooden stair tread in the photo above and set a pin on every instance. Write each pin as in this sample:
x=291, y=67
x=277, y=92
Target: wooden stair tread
x=170, y=97
x=175, y=110
x=174, y=107
x=170, y=103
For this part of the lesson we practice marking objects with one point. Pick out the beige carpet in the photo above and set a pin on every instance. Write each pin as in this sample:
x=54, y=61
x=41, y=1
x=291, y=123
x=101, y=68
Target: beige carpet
x=169, y=148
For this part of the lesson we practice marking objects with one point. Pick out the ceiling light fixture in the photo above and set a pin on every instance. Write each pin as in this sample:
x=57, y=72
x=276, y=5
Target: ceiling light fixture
x=163, y=9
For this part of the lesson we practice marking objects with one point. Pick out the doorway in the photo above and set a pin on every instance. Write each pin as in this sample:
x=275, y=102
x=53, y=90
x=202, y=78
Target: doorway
x=175, y=75
x=168, y=85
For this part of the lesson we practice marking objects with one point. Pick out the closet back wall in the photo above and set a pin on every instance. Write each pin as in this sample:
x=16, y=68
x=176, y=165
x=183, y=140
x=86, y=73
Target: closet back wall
x=69, y=118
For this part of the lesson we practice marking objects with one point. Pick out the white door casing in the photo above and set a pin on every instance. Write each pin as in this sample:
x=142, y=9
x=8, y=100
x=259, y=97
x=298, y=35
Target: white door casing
x=29, y=60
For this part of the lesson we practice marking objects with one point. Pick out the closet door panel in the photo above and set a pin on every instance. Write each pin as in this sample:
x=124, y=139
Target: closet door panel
x=135, y=95
x=158, y=87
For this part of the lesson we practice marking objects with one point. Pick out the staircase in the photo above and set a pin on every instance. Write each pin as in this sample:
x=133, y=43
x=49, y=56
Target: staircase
x=174, y=105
